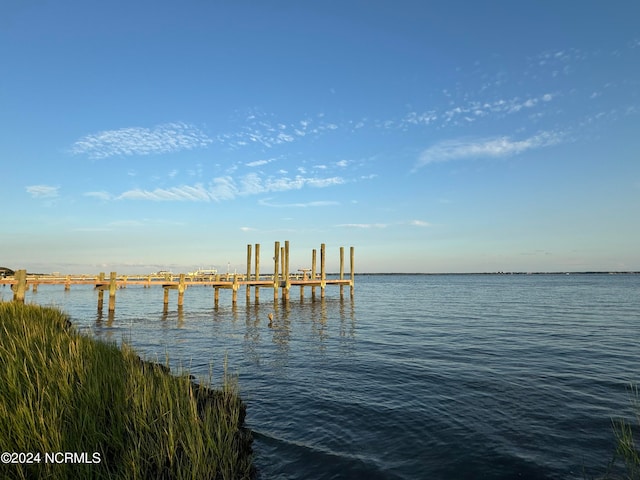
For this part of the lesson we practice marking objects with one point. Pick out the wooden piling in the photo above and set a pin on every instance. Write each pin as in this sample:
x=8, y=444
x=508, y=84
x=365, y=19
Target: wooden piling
x=20, y=287
x=112, y=291
x=100, y=291
x=181, y=288
x=276, y=279
x=323, y=273
x=287, y=279
x=216, y=292
x=352, y=271
x=234, y=287
x=248, y=292
x=341, y=272
x=313, y=273
x=67, y=283
x=257, y=269
x=166, y=297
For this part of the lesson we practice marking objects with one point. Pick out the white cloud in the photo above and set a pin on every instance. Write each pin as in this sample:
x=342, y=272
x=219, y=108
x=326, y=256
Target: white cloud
x=488, y=147
x=258, y=163
x=165, y=138
x=362, y=225
x=419, y=223
x=319, y=203
x=42, y=191
x=227, y=188
x=99, y=195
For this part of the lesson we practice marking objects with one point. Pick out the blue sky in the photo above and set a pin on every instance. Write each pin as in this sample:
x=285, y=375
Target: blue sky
x=441, y=136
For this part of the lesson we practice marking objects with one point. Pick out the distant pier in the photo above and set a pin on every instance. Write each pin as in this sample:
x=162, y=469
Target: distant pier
x=280, y=281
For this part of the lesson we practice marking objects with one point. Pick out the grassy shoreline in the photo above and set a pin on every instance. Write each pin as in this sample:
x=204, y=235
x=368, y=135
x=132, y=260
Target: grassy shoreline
x=124, y=418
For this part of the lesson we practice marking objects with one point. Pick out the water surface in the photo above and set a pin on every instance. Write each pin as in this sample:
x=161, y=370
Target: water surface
x=434, y=376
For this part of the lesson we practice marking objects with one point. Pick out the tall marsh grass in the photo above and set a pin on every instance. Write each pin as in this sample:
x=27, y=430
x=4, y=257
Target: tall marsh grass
x=61, y=391
x=627, y=450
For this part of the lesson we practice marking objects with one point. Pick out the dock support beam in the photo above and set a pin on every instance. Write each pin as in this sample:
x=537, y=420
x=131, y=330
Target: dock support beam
x=276, y=278
x=285, y=272
x=323, y=272
x=248, y=292
x=341, y=272
x=112, y=291
x=20, y=287
x=100, y=291
x=257, y=269
x=352, y=271
x=313, y=272
x=181, y=288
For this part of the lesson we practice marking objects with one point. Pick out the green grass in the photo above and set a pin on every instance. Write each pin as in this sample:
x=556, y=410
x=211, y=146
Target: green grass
x=62, y=391
x=627, y=452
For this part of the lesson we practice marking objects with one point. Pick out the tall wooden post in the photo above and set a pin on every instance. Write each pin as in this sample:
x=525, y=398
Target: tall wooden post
x=112, y=291
x=287, y=279
x=181, y=288
x=353, y=275
x=100, y=287
x=165, y=297
x=216, y=292
x=248, y=293
x=20, y=287
x=341, y=272
x=257, y=269
x=67, y=283
x=323, y=273
x=276, y=279
x=313, y=273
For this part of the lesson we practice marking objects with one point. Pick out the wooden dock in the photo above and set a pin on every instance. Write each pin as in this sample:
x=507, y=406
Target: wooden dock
x=281, y=280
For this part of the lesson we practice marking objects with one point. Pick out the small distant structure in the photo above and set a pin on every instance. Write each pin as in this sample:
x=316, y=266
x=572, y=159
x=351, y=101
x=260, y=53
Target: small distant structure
x=6, y=272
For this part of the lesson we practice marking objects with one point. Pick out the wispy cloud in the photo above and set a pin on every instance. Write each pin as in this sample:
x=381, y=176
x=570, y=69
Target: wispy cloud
x=362, y=225
x=42, y=191
x=259, y=163
x=488, y=147
x=419, y=223
x=227, y=188
x=470, y=111
x=260, y=129
x=319, y=203
x=99, y=195
x=165, y=138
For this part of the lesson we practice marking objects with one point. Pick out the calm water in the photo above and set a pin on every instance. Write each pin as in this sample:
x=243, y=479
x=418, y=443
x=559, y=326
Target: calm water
x=422, y=377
